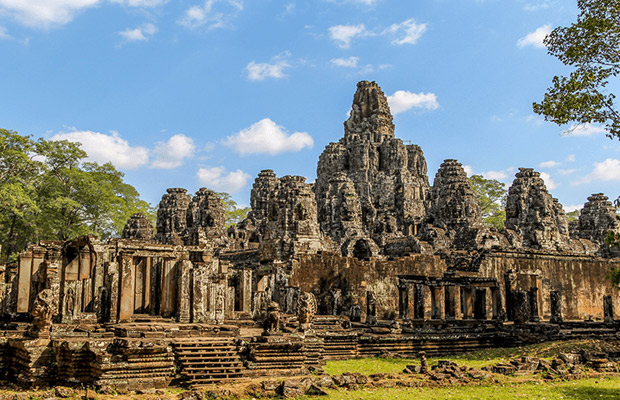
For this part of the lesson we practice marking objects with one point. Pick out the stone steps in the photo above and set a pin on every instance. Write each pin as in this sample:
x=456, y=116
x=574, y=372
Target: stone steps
x=206, y=362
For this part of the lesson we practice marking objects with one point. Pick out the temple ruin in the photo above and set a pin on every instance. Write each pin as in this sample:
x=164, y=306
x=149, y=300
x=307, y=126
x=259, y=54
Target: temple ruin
x=369, y=259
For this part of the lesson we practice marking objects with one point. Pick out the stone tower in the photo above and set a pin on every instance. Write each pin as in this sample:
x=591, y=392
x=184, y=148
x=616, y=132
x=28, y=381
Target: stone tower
x=172, y=216
x=534, y=214
x=370, y=186
x=138, y=227
x=597, y=218
x=205, y=218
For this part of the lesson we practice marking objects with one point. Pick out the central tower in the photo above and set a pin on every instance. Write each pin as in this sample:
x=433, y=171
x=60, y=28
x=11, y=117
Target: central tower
x=370, y=186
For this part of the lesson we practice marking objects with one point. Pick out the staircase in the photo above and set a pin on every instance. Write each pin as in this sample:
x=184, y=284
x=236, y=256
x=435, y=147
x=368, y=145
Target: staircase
x=207, y=361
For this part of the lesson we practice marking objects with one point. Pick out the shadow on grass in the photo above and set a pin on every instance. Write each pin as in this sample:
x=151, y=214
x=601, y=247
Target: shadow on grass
x=589, y=393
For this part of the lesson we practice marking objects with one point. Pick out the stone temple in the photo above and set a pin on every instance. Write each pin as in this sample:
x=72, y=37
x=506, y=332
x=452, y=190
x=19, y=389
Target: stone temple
x=368, y=259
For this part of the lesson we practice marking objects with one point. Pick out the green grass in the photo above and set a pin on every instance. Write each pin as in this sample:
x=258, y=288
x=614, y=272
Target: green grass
x=477, y=359
x=602, y=388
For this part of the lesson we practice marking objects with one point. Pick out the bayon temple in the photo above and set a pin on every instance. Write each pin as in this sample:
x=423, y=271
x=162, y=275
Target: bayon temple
x=369, y=259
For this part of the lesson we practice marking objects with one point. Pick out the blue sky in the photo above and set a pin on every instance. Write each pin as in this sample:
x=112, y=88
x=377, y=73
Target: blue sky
x=192, y=93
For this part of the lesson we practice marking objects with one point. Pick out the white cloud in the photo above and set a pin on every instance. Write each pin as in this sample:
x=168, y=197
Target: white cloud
x=548, y=164
x=274, y=69
x=218, y=179
x=538, y=5
x=140, y=3
x=571, y=158
x=584, y=130
x=44, y=13
x=535, y=119
x=549, y=182
x=498, y=175
x=574, y=207
x=267, y=137
x=212, y=14
x=172, y=153
x=407, y=32
x=469, y=170
x=4, y=35
x=104, y=148
x=350, y=62
x=141, y=33
x=608, y=170
x=343, y=34
x=567, y=171
x=536, y=38
x=402, y=101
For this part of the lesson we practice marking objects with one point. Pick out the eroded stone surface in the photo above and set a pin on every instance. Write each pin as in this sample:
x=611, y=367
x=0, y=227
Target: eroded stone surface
x=534, y=214
x=597, y=218
x=370, y=186
x=138, y=227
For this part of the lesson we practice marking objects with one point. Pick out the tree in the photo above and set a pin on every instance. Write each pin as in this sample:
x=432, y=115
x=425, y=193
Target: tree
x=492, y=197
x=234, y=215
x=592, y=46
x=47, y=191
x=18, y=180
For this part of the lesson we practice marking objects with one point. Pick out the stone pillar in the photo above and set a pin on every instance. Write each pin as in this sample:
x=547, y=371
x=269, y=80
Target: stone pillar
x=436, y=302
x=418, y=296
x=521, y=310
x=480, y=303
x=169, y=283
x=496, y=301
x=184, y=287
x=139, y=279
x=148, y=271
x=199, y=289
x=113, y=285
x=246, y=290
x=24, y=280
x=608, y=309
x=533, y=302
x=450, y=301
x=467, y=299
x=127, y=287
x=403, y=301
x=371, y=308
x=555, y=299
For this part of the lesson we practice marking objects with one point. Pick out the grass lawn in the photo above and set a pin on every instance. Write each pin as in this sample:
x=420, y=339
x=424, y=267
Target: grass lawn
x=477, y=359
x=601, y=388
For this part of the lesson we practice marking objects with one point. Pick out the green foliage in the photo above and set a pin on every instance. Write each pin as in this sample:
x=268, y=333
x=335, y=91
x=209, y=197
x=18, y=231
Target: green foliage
x=492, y=197
x=592, y=46
x=234, y=215
x=573, y=216
x=47, y=191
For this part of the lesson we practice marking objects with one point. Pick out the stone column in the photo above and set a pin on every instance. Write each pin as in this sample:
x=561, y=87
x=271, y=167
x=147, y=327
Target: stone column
x=148, y=271
x=418, y=295
x=126, y=303
x=113, y=286
x=496, y=300
x=246, y=290
x=169, y=283
x=608, y=309
x=467, y=298
x=24, y=281
x=533, y=302
x=436, y=302
x=450, y=301
x=371, y=308
x=403, y=301
x=184, y=286
x=555, y=299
